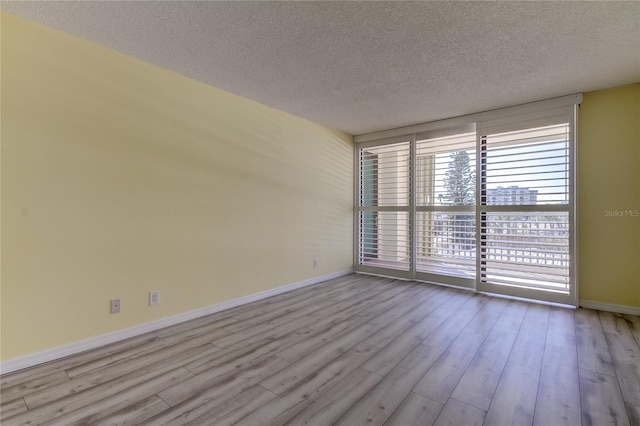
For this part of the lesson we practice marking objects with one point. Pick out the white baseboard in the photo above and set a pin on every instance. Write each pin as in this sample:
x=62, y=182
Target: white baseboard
x=621, y=309
x=105, y=339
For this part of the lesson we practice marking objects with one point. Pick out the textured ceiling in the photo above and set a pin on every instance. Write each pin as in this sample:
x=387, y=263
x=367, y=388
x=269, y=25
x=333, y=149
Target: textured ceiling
x=368, y=66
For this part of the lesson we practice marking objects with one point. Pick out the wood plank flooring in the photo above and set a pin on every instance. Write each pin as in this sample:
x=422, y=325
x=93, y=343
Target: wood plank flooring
x=350, y=351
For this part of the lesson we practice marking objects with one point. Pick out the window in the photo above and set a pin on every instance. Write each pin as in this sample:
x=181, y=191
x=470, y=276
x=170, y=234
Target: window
x=525, y=243
x=484, y=202
x=384, y=205
x=445, y=207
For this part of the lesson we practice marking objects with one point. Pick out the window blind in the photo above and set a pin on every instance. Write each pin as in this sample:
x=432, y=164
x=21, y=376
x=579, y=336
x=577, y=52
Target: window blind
x=384, y=200
x=485, y=201
x=524, y=208
x=445, y=198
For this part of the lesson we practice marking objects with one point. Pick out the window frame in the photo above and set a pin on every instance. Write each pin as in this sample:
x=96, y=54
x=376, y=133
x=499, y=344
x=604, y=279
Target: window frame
x=490, y=121
x=378, y=270
x=549, y=116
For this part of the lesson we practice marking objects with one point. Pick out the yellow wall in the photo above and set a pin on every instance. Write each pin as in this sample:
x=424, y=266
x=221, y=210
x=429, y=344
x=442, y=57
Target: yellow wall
x=119, y=177
x=609, y=184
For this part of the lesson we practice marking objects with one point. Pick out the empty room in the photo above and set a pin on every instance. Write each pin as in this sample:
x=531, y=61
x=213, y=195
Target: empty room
x=308, y=212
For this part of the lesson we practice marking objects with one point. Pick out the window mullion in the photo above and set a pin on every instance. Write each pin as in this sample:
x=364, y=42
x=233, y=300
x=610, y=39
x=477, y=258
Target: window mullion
x=412, y=205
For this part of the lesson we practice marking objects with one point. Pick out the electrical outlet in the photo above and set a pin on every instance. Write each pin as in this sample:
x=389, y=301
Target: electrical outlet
x=315, y=263
x=115, y=306
x=154, y=298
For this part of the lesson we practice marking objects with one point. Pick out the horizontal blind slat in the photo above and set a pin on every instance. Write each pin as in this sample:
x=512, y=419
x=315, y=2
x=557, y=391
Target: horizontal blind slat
x=527, y=248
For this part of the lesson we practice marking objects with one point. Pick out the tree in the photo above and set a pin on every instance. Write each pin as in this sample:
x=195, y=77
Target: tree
x=460, y=183
x=460, y=180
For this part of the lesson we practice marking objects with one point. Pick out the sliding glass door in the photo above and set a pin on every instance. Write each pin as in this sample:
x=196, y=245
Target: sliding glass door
x=445, y=217
x=526, y=207
x=487, y=205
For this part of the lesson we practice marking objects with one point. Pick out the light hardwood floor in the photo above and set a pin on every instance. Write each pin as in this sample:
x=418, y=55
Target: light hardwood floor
x=355, y=350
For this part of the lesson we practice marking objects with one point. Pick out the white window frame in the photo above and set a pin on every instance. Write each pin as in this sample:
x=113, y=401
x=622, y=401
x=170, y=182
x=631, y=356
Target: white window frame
x=528, y=120
x=408, y=209
x=482, y=123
